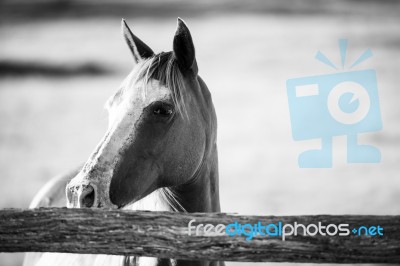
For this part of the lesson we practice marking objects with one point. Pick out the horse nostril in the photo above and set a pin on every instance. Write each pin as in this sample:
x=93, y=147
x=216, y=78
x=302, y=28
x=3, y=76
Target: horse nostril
x=87, y=197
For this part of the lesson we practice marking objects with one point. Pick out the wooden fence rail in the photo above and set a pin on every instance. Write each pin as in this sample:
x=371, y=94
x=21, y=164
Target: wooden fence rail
x=165, y=235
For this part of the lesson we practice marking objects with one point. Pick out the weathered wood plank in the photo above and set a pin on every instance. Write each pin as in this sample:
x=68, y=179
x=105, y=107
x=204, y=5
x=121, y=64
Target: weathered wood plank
x=165, y=235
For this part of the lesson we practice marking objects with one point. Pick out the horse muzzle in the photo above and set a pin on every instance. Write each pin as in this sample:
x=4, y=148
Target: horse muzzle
x=82, y=192
x=81, y=196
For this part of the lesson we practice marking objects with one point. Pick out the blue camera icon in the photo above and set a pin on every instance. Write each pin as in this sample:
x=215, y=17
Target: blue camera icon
x=325, y=106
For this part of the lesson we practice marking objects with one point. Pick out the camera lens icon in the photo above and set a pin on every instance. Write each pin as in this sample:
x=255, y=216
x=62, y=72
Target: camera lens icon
x=325, y=106
x=348, y=103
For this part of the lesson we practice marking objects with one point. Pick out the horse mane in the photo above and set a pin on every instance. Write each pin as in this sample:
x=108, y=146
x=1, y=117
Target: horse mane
x=162, y=199
x=172, y=200
x=162, y=67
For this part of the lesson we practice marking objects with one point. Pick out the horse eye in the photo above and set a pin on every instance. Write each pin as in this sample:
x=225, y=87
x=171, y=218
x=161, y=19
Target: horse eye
x=163, y=109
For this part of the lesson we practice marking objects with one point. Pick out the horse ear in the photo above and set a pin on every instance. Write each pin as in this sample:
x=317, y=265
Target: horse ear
x=184, y=49
x=138, y=48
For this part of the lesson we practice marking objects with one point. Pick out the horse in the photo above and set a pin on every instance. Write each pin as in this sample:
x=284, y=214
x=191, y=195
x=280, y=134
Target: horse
x=159, y=152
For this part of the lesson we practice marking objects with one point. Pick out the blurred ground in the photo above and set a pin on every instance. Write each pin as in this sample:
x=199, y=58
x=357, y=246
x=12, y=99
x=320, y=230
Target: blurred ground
x=59, y=62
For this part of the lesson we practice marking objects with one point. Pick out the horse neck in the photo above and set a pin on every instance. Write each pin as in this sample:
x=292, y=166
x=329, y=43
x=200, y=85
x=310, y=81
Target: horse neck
x=201, y=194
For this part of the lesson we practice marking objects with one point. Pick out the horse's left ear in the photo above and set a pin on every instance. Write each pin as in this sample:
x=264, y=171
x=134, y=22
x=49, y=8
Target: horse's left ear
x=184, y=49
x=139, y=49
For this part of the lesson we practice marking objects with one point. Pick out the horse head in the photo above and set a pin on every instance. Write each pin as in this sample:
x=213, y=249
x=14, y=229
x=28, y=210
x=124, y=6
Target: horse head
x=162, y=127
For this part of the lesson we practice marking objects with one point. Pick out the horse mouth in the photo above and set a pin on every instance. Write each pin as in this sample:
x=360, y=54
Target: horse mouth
x=123, y=207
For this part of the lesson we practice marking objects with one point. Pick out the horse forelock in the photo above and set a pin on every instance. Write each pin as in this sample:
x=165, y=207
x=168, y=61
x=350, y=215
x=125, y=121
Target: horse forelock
x=162, y=67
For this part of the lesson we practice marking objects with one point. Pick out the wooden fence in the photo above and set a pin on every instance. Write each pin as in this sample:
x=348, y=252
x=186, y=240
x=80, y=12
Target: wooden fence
x=165, y=235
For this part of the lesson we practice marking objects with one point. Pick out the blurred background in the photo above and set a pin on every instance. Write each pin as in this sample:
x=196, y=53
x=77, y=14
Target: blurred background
x=60, y=61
